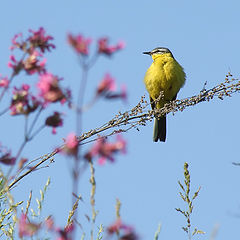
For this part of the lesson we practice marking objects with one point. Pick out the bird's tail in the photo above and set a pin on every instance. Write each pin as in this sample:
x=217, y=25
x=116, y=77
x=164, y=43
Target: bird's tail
x=159, y=129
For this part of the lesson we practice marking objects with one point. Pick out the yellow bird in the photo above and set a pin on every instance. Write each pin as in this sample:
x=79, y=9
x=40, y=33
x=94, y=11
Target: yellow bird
x=164, y=75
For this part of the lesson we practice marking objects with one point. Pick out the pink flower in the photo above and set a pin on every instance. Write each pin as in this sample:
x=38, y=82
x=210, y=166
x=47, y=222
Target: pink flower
x=6, y=156
x=79, y=43
x=123, y=231
x=54, y=121
x=7, y=159
x=4, y=82
x=15, y=42
x=23, y=102
x=49, y=223
x=107, y=87
x=117, y=226
x=65, y=234
x=71, y=141
x=49, y=88
x=107, y=84
x=105, y=151
x=40, y=40
x=122, y=95
x=33, y=64
x=71, y=145
x=15, y=65
x=27, y=228
x=104, y=48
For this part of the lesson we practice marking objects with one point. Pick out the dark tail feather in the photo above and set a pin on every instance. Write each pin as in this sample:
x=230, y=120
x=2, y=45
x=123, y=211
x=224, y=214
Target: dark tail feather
x=159, y=129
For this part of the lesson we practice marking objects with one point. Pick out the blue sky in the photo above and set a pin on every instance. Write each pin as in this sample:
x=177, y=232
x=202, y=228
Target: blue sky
x=204, y=38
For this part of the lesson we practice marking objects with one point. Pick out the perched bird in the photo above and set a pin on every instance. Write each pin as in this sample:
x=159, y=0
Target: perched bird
x=164, y=75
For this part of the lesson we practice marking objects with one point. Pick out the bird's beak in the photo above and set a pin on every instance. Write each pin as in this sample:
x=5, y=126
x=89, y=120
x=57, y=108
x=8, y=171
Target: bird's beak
x=148, y=53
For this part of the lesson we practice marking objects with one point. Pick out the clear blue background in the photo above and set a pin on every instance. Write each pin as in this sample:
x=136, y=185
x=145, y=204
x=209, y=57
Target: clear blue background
x=204, y=38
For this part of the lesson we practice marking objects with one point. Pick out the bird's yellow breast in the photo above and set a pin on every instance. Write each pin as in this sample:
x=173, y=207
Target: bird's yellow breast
x=165, y=74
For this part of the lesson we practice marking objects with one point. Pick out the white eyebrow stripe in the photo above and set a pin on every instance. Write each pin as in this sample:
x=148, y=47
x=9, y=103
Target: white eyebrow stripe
x=160, y=50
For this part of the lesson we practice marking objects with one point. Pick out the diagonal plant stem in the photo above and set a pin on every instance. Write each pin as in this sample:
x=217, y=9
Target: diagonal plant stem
x=4, y=111
x=34, y=121
x=32, y=169
x=6, y=88
x=27, y=136
x=37, y=132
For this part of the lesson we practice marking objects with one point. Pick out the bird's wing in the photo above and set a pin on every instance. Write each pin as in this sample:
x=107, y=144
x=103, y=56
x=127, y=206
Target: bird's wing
x=174, y=98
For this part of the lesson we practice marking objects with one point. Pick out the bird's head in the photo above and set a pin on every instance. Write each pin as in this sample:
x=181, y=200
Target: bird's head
x=159, y=51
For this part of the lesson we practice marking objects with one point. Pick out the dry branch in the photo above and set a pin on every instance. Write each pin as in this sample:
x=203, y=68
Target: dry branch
x=140, y=115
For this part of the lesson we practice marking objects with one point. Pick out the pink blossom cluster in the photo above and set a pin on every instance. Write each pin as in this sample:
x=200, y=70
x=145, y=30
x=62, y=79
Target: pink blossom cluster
x=6, y=156
x=4, y=82
x=27, y=228
x=104, y=150
x=33, y=47
x=50, y=90
x=40, y=40
x=32, y=61
x=63, y=234
x=123, y=231
x=32, y=64
x=54, y=121
x=105, y=48
x=81, y=45
x=107, y=89
x=71, y=145
x=107, y=86
x=37, y=40
x=23, y=102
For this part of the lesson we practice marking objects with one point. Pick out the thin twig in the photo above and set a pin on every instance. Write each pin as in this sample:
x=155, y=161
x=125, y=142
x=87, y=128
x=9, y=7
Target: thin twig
x=33, y=168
